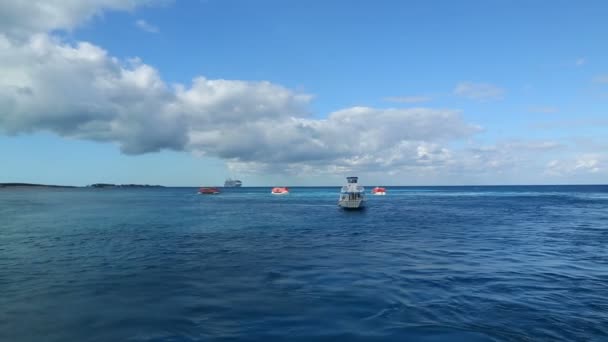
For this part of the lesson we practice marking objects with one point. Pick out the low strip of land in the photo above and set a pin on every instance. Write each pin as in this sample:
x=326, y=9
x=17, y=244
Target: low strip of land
x=96, y=185
x=30, y=185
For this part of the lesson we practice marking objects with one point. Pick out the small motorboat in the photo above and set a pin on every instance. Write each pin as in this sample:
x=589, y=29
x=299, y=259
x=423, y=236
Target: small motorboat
x=379, y=191
x=280, y=190
x=208, y=191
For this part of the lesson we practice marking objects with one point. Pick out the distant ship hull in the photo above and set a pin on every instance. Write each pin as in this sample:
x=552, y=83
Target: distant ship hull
x=233, y=183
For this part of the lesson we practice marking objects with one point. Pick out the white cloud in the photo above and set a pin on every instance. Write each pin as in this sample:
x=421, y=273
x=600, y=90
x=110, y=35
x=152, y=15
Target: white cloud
x=145, y=26
x=580, y=61
x=582, y=164
x=408, y=99
x=601, y=79
x=479, y=91
x=506, y=156
x=23, y=18
x=354, y=138
x=80, y=91
x=532, y=145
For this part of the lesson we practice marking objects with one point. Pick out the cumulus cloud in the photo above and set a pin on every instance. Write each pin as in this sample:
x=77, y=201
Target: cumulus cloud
x=145, y=26
x=23, y=18
x=80, y=91
x=583, y=164
x=506, y=156
x=357, y=138
x=479, y=91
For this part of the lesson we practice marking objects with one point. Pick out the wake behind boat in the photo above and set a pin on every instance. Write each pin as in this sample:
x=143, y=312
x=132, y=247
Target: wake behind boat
x=352, y=195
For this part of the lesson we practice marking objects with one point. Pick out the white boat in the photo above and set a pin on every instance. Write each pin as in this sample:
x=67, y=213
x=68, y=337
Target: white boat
x=352, y=195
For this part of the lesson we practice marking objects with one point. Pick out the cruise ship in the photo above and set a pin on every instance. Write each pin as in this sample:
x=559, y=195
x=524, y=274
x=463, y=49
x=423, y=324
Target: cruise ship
x=232, y=183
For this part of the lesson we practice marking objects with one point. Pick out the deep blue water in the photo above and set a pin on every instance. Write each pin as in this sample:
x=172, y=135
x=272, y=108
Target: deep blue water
x=420, y=264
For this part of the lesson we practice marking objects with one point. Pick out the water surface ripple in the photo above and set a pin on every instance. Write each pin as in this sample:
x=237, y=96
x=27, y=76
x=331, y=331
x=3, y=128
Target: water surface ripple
x=420, y=264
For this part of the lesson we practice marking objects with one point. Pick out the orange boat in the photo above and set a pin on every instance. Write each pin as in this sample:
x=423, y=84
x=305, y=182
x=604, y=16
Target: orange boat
x=379, y=191
x=208, y=191
x=280, y=191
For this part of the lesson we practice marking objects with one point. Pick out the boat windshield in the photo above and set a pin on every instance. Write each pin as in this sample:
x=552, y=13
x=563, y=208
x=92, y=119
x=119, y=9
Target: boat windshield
x=351, y=196
x=353, y=189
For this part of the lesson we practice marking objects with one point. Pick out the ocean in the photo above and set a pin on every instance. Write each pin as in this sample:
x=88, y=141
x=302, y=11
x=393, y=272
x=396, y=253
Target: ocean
x=508, y=263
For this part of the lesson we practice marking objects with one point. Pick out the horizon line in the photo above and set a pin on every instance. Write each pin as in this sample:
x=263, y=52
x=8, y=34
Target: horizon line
x=25, y=184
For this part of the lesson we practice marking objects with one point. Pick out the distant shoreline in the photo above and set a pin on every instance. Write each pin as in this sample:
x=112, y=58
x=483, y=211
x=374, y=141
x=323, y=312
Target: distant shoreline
x=106, y=185
x=96, y=185
x=30, y=185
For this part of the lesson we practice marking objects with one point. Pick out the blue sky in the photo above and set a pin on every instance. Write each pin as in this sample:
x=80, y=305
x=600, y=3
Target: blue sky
x=399, y=92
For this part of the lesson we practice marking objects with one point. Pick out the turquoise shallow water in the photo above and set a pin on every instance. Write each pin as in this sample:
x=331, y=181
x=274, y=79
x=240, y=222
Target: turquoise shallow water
x=420, y=264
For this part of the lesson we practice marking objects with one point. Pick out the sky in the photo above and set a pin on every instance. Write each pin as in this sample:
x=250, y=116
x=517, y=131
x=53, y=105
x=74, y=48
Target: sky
x=188, y=93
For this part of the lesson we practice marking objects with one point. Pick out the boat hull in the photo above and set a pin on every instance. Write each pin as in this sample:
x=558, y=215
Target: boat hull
x=208, y=191
x=280, y=190
x=232, y=183
x=351, y=204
